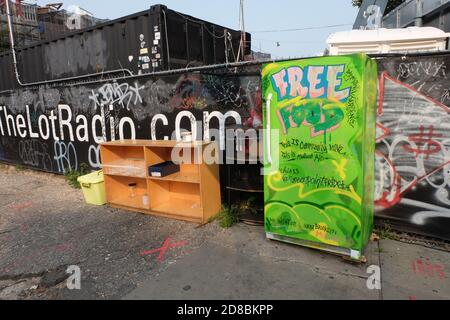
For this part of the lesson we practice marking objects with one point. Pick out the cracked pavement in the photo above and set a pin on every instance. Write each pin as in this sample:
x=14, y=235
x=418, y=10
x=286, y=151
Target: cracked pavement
x=45, y=226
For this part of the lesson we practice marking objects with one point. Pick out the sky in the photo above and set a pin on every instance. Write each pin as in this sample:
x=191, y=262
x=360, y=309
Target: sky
x=260, y=15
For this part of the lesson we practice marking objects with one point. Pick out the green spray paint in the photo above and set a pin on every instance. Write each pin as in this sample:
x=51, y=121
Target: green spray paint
x=322, y=190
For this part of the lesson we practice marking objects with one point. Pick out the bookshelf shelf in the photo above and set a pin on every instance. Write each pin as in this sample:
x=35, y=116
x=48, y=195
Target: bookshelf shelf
x=192, y=194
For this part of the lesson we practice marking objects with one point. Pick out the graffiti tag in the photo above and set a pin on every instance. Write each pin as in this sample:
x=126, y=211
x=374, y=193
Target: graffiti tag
x=35, y=153
x=321, y=118
x=65, y=156
x=123, y=94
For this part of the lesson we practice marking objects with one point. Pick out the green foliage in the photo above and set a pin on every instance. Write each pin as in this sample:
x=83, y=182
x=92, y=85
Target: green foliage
x=72, y=175
x=392, y=4
x=227, y=217
x=20, y=168
x=385, y=232
x=250, y=206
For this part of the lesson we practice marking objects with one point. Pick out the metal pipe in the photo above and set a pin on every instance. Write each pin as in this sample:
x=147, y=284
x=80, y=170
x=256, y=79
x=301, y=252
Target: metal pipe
x=419, y=14
x=192, y=69
x=217, y=66
x=168, y=72
x=158, y=73
x=167, y=39
x=11, y=40
x=229, y=66
x=243, y=34
x=226, y=45
x=79, y=77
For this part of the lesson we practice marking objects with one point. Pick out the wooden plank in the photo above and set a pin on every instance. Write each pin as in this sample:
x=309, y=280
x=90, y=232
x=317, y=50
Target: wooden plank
x=179, y=177
x=176, y=217
x=135, y=202
x=210, y=190
x=180, y=207
x=129, y=167
x=158, y=192
x=155, y=143
x=112, y=153
x=137, y=210
x=157, y=214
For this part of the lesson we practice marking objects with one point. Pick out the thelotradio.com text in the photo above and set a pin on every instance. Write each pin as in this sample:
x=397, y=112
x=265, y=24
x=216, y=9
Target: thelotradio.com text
x=240, y=146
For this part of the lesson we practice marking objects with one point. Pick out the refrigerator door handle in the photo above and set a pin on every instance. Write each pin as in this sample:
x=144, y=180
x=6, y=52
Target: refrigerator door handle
x=268, y=153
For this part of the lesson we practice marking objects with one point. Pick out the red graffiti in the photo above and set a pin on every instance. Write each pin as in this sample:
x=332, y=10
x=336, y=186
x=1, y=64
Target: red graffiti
x=22, y=206
x=393, y=195
x=382, y=132
x=426, y=144
x=427, y=269
x=396, y=181
x=166, y=246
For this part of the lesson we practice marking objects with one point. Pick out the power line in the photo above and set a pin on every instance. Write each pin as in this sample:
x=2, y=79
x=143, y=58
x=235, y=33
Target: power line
x=281, y=41
x=303, y=29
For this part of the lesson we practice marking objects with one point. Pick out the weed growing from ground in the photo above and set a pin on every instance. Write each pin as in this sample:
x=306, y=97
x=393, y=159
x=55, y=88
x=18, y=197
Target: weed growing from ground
x=227, y=217
x=73, y=175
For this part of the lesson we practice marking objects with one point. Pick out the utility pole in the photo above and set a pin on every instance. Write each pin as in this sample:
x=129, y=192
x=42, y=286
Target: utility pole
x=419, y=13
x=242, y=27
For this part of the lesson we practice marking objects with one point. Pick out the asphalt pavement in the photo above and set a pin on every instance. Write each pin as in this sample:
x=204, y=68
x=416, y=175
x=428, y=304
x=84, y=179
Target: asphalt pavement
x=45, y=228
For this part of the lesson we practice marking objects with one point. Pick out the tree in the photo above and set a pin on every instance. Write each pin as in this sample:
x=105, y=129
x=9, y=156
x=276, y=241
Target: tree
x=392, y=4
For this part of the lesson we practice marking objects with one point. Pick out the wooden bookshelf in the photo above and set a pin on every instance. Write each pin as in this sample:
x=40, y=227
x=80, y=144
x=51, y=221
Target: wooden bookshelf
x=192, y=194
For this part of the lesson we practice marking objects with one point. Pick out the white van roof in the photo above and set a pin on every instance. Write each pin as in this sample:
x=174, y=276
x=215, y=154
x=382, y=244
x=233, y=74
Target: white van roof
x=387, y=35
x=412, y=39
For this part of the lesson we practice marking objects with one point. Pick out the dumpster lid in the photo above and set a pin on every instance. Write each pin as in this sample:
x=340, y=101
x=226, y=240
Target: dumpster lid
x=94, y=177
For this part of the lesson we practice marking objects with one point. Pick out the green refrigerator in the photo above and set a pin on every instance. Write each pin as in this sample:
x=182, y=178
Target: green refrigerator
x=319, y=152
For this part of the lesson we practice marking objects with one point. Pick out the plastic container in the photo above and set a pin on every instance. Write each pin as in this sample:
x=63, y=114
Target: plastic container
x=145, y=200
x=93, y=187
x=132, y=190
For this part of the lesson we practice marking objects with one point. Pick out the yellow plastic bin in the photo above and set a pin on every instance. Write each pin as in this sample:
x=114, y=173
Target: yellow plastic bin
x=93, y=186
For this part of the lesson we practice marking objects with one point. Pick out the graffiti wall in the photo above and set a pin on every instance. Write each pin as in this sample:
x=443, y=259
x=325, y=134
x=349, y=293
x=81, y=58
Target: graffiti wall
x=413, y=144
x=58, y=129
